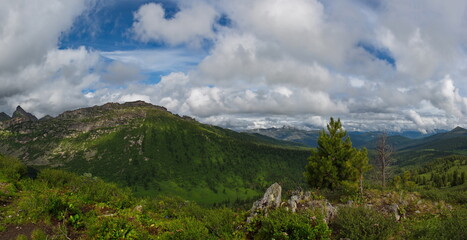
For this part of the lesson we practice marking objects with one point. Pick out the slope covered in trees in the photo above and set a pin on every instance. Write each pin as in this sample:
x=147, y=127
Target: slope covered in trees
x=154, y=152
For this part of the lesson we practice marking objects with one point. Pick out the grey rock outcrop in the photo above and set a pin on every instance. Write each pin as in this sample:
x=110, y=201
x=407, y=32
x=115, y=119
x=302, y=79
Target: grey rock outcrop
x=394, y=208
x=304, y=200
x=271, y=198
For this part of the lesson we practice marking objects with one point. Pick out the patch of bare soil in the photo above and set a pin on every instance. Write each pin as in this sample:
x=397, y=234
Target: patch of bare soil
x=13, y=231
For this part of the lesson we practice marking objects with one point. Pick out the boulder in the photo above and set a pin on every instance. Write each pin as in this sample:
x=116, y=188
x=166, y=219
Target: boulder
x=395, y=209
x=293, y=201
x=271, y=199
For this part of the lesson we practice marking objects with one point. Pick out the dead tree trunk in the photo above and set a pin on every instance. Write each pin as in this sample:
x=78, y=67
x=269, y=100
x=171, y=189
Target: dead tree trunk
x=384, y=152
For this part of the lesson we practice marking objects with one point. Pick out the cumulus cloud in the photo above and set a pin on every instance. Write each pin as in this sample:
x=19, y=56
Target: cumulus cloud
x=29, y=29
x=361, y=60
x=375, y=64
x=33, y=72
x=191, y=24
x=55, y=84
x=445, y=96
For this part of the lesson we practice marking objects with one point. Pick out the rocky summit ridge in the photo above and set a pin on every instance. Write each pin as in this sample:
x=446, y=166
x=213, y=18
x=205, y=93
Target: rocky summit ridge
x=22, y=114
x=19, y=116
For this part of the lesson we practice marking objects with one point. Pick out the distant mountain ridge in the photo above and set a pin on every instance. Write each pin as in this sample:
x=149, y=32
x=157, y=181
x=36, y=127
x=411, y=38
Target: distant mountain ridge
x=456, y=139
x=359, y=139
x=409, y=152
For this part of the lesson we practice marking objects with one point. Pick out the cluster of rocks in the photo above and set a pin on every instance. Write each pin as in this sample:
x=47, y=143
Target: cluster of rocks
x=392, y=204
x=298, y=201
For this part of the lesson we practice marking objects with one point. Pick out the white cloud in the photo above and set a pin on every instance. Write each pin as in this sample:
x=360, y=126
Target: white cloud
x=270, y=62
x=33, y=72
x=134, y=97
x=29, y=29
x=191, y=25
x=375, y=64
x=159, y=60
x=56, y=84
x=445, y=96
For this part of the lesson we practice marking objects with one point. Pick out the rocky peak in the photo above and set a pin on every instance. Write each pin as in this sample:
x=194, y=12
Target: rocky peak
x=4, y=117
x=458, y=129
x=456, y=132
x=99, y=110
x=20, y=113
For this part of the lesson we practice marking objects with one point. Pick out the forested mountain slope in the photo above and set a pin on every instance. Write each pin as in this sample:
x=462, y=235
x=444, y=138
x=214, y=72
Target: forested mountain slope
x=155, y=152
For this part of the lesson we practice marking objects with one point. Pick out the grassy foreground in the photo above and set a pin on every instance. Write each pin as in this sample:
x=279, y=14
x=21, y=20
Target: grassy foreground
x=62, y=205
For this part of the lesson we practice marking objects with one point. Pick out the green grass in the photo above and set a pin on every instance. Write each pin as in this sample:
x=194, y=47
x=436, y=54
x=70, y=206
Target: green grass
x=65, y=205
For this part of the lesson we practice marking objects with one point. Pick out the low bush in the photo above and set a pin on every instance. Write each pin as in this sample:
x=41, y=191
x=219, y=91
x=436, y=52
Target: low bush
x=363, y=223
x=11, y=169
x=38, y=234
x=183, y=228
x=283, y=224
x=90, y=189
x=450, y=227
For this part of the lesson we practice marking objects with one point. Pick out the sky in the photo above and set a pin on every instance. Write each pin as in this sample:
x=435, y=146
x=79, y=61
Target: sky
x=389, y=65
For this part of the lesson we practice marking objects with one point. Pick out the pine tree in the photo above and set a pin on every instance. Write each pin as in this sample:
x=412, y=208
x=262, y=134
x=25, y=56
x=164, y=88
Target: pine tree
x=443, y=180
x=335, y=163
x=455, y=178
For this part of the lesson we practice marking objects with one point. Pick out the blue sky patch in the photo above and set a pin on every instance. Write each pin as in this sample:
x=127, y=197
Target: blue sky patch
x=108, y=27
x=379, y=53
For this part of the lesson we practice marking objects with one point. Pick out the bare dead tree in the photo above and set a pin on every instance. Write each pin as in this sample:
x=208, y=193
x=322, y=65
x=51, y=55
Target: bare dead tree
x=384, y=152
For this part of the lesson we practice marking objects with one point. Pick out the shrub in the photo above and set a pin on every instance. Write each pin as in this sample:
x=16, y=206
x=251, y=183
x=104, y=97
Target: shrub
x=38, y=234
x=114, y=228
x=56, y=178
x=21, y=237
x=45, y=205
x=222, y=223
x=183, y=228
x=12, y=169
x=91, y=189
x=282, y=224
x=452, y=227
x=363, y=223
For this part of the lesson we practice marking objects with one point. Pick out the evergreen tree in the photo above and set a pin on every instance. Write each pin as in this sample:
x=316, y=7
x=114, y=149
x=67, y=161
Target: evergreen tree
x=335, y=163
x=455, y=178
x=443, y=180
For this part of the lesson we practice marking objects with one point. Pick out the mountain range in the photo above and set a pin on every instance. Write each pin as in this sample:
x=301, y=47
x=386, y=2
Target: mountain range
x=411, y=150
x=359, y=139
x=154, y=152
